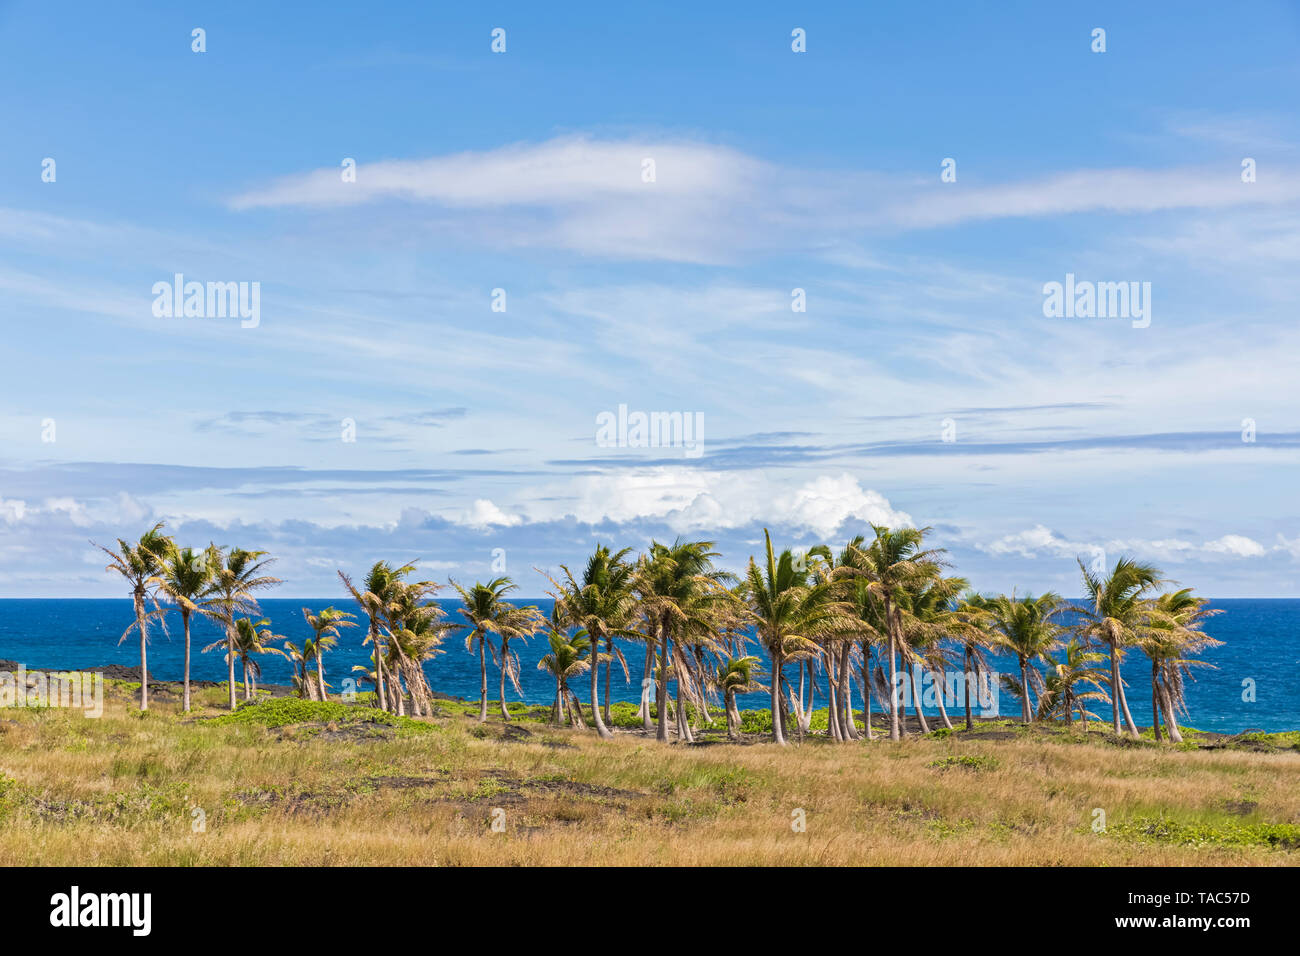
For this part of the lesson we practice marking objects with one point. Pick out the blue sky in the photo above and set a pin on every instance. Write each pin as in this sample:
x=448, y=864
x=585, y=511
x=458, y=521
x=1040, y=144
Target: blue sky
x=774, y=170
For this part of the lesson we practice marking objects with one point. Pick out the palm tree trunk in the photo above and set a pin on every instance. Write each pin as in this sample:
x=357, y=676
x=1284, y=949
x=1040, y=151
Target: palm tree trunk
x=661, y=688
x=1155, y=701
x=482, y=684
x=247, y=695
x=647, y=673
x=142, y=626
x=916, y=700
x=1024, y=691
x=185, y=619
x=966, y=680
x=894, y=733
x=847, y=722
x=230, y=655
x=320, y=672
x=1114, y=688
x=379, y=666
x=866, y=689
x=832, y=709
x=1171, y=715
x=940, y=693
x=1123, y=705
x=778, y=732
x=601, y=730
x=609, y=649
x=733, y=715
x=505, y=651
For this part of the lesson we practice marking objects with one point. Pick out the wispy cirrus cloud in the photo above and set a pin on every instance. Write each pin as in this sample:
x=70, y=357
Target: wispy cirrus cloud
x=709, y=202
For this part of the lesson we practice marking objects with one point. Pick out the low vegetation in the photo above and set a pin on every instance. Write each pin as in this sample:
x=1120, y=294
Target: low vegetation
x=290, y=781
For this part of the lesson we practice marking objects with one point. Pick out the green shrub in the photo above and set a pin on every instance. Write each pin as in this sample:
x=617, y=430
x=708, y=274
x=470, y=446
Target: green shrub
x=282, y=711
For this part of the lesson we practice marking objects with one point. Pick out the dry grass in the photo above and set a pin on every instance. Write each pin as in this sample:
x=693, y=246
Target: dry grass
x=122, y=790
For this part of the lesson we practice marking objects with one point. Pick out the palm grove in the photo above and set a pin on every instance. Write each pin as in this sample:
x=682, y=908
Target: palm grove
x=880, y=615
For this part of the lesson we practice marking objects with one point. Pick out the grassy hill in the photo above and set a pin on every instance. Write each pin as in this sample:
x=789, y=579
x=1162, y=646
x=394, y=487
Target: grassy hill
x=291, y=782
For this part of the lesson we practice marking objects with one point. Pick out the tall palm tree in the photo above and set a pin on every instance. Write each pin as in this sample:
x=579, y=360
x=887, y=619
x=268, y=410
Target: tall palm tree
x=484, y=607
x=380, y=590
x=739, y=675
x=326, y=629
x=791, y=614
x=1175, y=630
x=415, y=625
x=685, y=601
x=603, y=605
x=976, y=637
x=569, y=657
x=139, y=565
x=1117, y=615
x=237, y=576
x=892, y=562
x=1027, y=627
x=183, y=579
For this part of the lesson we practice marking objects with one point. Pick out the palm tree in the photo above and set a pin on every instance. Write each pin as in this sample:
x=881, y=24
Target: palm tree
x=933, y=619
x=237, y=575
x=381, y=589
x=737, y=676
x=1117, y=615
x=791, y=614
x=300, y=658
x=891, y=563
x=684, y=600
x=1027, y=628
x=486, y=611
x=1060, y=698
x=251, y=639
x=139, y=564
x=603, y=605
x=975, y=634
x=183, y=579
x=415, y=626
x=1175, y=631
x=569, y=657
x=326, y=627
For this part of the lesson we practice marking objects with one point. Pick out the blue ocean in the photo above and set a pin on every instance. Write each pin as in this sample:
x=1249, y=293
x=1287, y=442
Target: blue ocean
x=1261, y=650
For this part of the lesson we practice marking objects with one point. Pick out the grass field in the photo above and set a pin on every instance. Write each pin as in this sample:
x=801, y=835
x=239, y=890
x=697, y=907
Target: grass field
x=286, y=782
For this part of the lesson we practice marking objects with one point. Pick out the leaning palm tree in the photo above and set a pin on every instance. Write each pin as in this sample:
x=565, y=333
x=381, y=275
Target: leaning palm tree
x=1116, y=615
x=1028, y=629
x=380, y=590
x=326, y=627
x=568, y=658
x=1174, y=632
x=791, y=614
x=415, y=626
x=299, y=658
x=183, y=580
x=892, y=562
x=237, y=576
x=139, y=564
x=685, y=602
x=603, y=605
x=976, y=637
x=251, y=641
x=739, y=675
x=1062, y=695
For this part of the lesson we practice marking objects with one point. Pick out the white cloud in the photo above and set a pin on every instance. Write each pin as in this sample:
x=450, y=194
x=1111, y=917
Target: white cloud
x=1042, y=540
x=711, y=203
x=483, y=513
x=691, y=500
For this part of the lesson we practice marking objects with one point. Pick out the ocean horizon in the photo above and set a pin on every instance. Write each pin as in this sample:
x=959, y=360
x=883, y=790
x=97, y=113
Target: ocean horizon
x=1261, y=651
